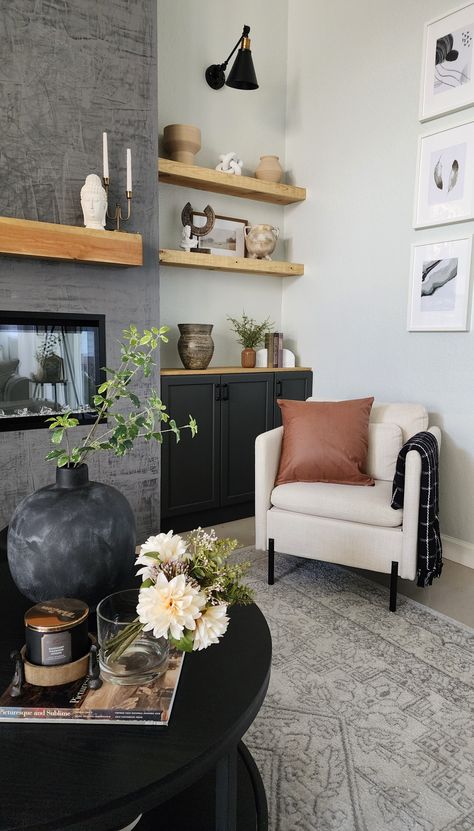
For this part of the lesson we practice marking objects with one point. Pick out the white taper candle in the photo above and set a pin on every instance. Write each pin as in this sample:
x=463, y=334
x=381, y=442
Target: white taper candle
x=129, y=169
x=105, y=156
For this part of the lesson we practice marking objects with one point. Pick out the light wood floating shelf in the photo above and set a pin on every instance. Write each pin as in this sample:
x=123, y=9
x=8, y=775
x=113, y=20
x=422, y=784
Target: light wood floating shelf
x=47, y=240
x=214, y=262
x=203, y=178
x=233, y=370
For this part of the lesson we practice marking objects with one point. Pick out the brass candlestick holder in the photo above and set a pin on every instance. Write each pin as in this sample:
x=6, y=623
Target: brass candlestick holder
x=118, y=217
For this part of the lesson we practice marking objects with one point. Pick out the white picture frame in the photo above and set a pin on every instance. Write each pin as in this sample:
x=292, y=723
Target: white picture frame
x=447, y=77
x=226, y=229
x=447, y=267
x=444, y=191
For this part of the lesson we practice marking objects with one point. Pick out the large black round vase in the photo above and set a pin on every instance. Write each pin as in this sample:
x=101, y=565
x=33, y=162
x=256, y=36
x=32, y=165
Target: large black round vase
x=72, y=539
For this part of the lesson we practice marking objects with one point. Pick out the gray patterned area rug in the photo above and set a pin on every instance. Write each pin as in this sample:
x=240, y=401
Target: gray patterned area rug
x=368, y=724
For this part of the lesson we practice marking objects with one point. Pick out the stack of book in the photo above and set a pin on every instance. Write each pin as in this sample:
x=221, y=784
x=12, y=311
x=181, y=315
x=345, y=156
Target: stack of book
x=274, y=347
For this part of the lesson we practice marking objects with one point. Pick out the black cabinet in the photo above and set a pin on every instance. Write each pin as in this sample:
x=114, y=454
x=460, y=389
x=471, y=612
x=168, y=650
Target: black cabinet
x=210, y=478
x=292, y=385
x=246, y=411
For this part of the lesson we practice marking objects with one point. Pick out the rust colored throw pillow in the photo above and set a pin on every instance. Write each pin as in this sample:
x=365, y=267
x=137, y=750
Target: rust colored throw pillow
x=325, y=441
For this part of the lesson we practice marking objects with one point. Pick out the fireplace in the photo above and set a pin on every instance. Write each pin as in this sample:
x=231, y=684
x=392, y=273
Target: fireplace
x=49, y=363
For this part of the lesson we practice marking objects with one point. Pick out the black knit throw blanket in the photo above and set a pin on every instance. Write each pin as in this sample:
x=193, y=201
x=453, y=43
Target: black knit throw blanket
x=429, y=550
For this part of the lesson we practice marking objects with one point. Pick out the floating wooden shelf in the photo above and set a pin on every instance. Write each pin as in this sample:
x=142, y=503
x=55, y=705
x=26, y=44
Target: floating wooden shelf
x=203, y=178
x=213, y=262
x=46, y=240
x=233, y=370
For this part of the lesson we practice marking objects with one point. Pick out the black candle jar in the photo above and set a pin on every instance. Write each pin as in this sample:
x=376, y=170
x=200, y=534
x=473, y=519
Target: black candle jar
x=56, y=631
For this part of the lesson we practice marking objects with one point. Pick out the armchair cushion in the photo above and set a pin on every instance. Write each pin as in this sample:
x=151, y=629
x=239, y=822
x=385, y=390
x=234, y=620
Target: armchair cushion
x=385, y=443
x=368, y=506
x=325, y=441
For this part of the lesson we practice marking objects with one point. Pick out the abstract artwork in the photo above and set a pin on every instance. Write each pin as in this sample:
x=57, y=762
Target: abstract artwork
x=439, y=286
x=453, y=57
x=448, y=72
x=447, y=81
x=445, y=185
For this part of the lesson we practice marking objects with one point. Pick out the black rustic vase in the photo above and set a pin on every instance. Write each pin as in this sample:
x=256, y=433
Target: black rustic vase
x=72, y=539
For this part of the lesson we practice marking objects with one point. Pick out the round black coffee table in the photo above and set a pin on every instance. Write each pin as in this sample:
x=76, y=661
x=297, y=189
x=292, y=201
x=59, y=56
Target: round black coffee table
x=194, y=774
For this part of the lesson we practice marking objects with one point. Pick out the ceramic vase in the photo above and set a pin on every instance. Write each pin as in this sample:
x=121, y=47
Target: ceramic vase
x=269, y=169
x=75, y=538
x=195, y=345
x=248, y=357
x=182, y=142
x=260, y=241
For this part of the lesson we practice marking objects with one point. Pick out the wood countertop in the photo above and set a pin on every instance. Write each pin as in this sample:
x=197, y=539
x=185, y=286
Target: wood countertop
x=233, y=370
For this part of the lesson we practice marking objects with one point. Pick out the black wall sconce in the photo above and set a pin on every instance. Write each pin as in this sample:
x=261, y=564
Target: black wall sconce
x=242, y=75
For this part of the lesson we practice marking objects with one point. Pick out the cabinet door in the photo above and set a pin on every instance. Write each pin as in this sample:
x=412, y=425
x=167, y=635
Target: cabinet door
x=296, y=386
x=246, y=411
x=190, y=469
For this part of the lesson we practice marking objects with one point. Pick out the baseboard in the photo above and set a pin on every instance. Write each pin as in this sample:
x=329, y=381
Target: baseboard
x=458, y=550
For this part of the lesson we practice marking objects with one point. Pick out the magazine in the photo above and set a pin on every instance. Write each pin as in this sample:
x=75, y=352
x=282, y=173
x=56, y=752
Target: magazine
x=111, y=704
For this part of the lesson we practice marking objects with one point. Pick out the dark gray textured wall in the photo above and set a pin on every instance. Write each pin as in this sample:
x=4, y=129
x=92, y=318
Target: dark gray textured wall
x=69, y=70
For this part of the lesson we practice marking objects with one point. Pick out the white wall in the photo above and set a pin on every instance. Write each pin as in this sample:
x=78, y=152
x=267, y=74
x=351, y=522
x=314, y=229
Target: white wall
x=252, y=123
x=352, y=128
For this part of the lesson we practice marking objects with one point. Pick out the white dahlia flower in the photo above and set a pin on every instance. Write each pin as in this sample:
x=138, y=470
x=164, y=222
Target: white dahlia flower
x=170, y=549
x=170, y=606
x=210, y=626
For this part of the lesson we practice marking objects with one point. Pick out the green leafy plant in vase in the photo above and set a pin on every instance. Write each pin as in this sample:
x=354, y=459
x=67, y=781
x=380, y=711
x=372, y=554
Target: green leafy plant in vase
x=250, y=334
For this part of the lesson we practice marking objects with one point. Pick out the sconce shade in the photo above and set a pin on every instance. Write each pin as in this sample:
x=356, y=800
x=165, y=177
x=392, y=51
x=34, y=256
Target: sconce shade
x=242, y=75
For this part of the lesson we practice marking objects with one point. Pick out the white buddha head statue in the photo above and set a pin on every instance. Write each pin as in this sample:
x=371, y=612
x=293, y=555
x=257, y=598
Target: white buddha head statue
x=94, y=202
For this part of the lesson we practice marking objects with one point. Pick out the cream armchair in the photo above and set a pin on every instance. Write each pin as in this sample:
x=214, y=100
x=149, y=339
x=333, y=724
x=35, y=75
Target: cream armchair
x=348, y=524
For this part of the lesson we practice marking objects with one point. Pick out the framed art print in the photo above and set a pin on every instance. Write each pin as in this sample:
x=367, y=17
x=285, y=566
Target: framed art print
x=447, y=82
x=226, y=237
x=445, y=178
x=439, y=286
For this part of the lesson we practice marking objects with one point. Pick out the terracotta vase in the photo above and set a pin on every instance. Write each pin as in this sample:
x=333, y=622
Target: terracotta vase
x=182, y=142
x=269, y=169
x=248, y=357
x=195, y=345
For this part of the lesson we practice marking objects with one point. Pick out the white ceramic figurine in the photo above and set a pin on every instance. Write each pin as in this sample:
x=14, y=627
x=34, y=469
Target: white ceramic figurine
x=230, y=163
x=93, y=202
x=187, y=240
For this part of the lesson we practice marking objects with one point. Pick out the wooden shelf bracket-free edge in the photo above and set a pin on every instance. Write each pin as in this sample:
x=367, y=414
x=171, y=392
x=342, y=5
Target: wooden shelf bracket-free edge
x=47, y=240
x=213, y=262
x=214, y=181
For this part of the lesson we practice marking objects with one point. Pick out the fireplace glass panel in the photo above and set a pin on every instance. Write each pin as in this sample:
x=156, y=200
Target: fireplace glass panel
x=48, y=364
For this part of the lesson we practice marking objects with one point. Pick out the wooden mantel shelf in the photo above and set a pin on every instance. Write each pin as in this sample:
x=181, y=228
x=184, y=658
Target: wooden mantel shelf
x=46, y=240
x=247, y=187
x=233, y=370
x=214, y=262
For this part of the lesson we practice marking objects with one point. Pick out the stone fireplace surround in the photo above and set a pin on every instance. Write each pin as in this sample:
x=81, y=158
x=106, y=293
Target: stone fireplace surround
x=95, y=69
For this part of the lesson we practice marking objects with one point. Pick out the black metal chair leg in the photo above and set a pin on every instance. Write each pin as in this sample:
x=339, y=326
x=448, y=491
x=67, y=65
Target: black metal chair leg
x=393, y=587
x=271, y=561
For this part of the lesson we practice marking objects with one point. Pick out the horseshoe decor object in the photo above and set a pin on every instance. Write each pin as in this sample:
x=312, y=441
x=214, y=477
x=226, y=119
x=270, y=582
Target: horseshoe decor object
x=186, y=219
